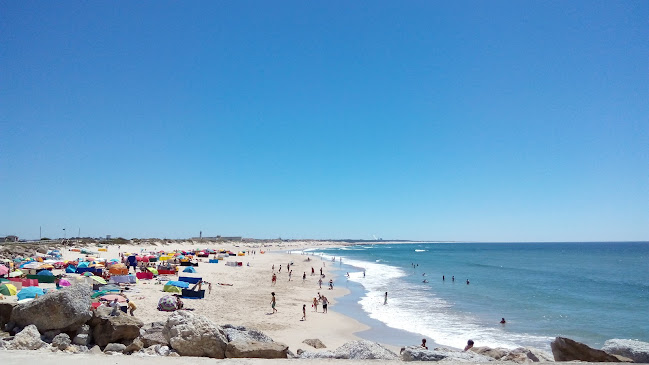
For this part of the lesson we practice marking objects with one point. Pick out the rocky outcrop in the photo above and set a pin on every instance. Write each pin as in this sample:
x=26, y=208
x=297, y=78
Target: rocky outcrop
x=61, y=341
x=254, y=349
x=518, y=355
x=416, y=353
x=115, y=329
x=565, y=349
x=194, y=335
x=27, y=339
x=135, y=346
x=5, y=313
x=355, y=350
x=114, y=348
x=156, y=350
x=637, y=351
x=151, y=334
x=315, y=343
x=240, y=333
x=496, y=354
x=65, y=310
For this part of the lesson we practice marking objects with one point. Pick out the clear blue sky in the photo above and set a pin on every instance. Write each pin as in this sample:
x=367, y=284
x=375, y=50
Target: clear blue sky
x=481, y=121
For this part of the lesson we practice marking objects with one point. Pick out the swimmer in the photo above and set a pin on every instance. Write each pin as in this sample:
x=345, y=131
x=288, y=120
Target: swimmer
x=424, y=281
x=502, y=321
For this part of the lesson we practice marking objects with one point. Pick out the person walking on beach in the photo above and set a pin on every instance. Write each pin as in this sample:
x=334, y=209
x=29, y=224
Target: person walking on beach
x=320, y=283
x=274, y=280
x=131, y=307
x=304, y=277
x=325, y=304
x=273, y=302
x=304, y=312
x=290, y=273
x=312, y=271
x=331, y=284
x=385, y=300
x=315, y=304
x=280, y=268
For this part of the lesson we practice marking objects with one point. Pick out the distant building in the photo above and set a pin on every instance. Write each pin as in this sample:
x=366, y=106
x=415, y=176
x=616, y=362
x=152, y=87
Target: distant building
x=11, y=238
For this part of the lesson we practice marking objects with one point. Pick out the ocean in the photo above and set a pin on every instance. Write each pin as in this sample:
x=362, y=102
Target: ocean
x=589, y=292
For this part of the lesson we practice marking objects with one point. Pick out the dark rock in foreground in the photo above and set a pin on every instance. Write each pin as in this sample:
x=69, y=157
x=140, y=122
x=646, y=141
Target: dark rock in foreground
x=565, y=349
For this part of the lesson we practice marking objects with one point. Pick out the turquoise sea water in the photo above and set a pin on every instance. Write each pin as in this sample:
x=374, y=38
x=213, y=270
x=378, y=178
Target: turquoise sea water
x=589, y=292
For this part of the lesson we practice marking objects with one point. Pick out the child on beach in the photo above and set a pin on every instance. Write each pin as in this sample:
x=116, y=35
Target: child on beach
x=272, y=302
x=304, y=312
x=274, y=280
x=315, y=304
x=320, y=283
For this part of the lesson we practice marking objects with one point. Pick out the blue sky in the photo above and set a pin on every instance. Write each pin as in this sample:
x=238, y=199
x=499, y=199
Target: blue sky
x=480, y=121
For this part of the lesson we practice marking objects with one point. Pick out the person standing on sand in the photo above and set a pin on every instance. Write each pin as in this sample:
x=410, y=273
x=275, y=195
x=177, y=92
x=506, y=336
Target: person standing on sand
x=325, y=304
x=320, y=283
x=315, y=304
x=385, y=300
x=304, y=312
x=273, y=302
x=312, y=271
x=280, y=268
x=290, y=273
x=304, y=277
x=331, y=284
x=274, y=280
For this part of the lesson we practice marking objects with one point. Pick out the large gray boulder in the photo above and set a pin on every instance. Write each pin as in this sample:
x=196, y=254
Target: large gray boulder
x=151, y=334
x=364, y=350
x=565, y=349
x=114, y=329
x=637, y=351
x=61, y=341
x=83, y=336
x=518, y=355
x=254, y=349
x=195, y=335
x=135, y=346
x=5, y=313
x=417, y=353
x=114, y=348
x=27, y=339
x=240, y=333
x=65, y=310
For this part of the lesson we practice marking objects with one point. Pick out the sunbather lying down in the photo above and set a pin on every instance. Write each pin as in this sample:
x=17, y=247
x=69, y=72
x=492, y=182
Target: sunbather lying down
x=224, y=284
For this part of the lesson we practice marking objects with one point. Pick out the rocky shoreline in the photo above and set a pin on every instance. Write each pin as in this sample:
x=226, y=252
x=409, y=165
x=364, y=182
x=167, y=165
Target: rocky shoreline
x=62, y=322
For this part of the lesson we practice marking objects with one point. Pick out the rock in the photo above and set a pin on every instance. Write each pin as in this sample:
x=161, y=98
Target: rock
x=65, y=310
x=194, y=335
x=3, y=346
x=5, y=313
x=496, y=353
x=314, y=342
x=416, y=353
x=95, y=350
x=61, y=341
x=240, y=333
x=364, y=350
x=81, y=339
x=254, y=349
x=114, y=347
x=80, y=349
x=565, y=349
x=301, y=354
x=135, y=346
x=107, y=328
x=162, y=350
x=27, y=339
x=523, y=354
x=48, y=336
x=151, y=334
x=637, y=351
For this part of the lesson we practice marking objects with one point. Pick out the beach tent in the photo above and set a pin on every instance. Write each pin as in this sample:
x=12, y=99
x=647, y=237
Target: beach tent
x=30, y=292
x=88, y=273
x=99, y=279
x=83, y=264
x=118, y=269
x=64, y=282
x=154, y=271
x=99, y=293
x=167, y=303
x=8, y=289
x=171, y=289
x=45, y=273
x=4, y=270
x=190, y=269
x=180, y=284
x=71, y=269
x=111, y=287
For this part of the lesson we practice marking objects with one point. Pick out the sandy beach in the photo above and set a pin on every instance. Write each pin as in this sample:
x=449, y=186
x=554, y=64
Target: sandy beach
x=246, y=301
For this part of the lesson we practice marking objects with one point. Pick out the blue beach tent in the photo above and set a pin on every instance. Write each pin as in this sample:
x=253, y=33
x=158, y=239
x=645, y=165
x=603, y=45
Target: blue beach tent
x=190, y=269
x=180, y=284
x=45, y=273
x=71, y=269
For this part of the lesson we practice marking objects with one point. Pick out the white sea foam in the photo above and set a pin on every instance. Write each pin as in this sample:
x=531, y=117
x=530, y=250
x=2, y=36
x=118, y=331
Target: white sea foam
x=413, y=307
x=421, y=250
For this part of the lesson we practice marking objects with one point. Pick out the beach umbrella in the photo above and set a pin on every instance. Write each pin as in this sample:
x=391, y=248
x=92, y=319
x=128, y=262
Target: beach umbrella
x=167, y=303
x=111, y=297
x=4, y=270
x=30, y=292
x=190, y=269
x=31, y=265
x=99, y=279
x=64, y=282
x=154, y=271
x=8, y=289
x=15, y=274
x=71, y=269
x=99, y=293
x=45, y=273
x=88, y=273
x=83, y=264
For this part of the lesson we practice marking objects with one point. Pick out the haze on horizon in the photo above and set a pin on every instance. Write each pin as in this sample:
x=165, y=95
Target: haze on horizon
x=469, y=121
